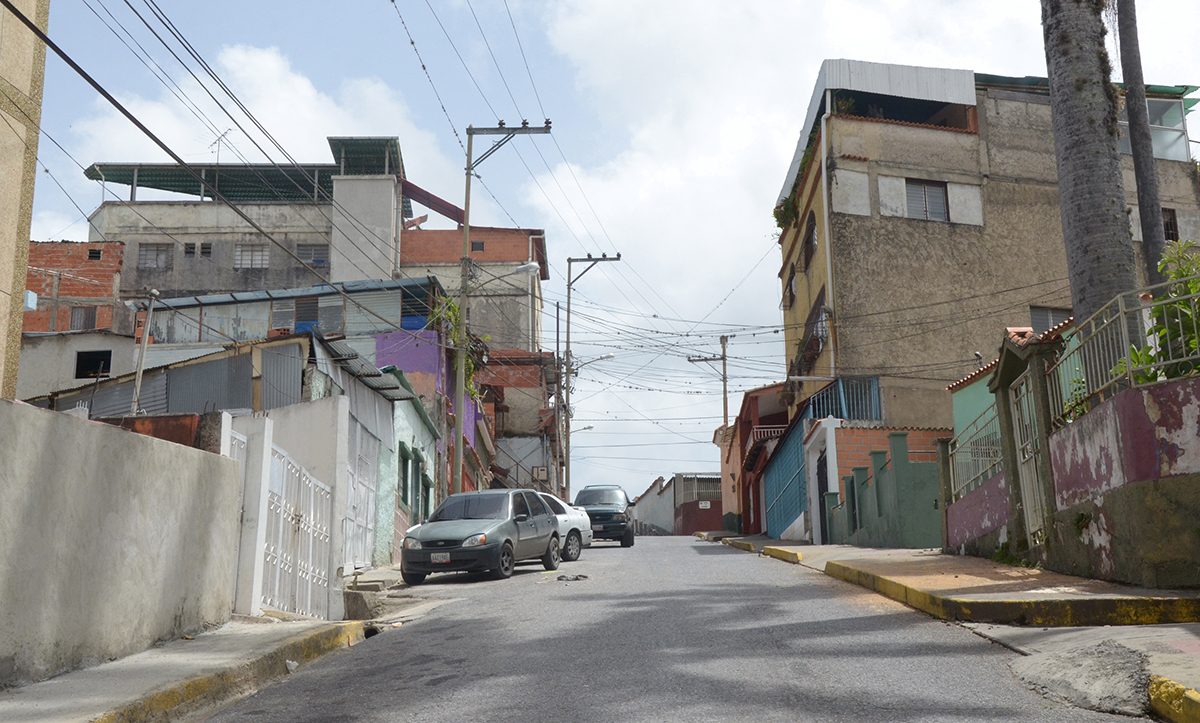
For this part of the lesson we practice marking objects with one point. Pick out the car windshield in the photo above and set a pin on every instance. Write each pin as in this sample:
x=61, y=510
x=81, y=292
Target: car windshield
x=472, y=507
x=600, y=497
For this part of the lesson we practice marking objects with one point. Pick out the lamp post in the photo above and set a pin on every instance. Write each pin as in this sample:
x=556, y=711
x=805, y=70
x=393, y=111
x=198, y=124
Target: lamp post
x=460, y=331
x=571, y=371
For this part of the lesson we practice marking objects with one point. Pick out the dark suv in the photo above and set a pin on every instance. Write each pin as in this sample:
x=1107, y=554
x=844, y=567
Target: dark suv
x=610, y=511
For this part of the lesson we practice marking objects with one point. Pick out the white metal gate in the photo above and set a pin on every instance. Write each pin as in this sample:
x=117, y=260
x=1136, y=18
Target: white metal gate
x=296, y=569
x=1025, y=430
x=237, y=452
x=358, y=525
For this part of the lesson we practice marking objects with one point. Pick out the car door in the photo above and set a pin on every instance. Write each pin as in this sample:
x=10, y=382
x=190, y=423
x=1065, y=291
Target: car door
x=560, y=513
x=547, y=523
x=527, y=531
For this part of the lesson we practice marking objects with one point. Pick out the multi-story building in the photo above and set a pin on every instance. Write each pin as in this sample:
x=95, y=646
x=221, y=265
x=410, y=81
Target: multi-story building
x=920, y=215
x=518, y=388
x=23, y=58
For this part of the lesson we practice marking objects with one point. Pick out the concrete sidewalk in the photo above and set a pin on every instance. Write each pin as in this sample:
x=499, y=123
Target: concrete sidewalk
x=184, y=676
x=1052, y=613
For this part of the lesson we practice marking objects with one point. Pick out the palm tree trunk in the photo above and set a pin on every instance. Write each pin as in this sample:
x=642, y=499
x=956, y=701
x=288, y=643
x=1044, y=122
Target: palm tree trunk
x=1099, y=246
x=1149, y=205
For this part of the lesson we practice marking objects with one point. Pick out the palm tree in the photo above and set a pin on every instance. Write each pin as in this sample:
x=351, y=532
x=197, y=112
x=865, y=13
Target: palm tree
x=1099, y=246
x=1149, y=205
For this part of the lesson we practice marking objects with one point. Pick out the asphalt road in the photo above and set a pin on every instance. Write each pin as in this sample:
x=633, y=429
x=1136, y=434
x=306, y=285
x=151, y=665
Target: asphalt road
x=673, y=629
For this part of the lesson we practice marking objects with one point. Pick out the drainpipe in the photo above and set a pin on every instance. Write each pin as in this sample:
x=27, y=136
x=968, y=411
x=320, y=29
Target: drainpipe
x=826, y=147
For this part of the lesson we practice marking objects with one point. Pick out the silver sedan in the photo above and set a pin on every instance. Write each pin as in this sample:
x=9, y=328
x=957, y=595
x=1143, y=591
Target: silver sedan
x=574, y=527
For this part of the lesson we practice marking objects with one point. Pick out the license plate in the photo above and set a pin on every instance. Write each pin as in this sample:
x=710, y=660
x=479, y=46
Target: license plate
x=439, y=557
x=597, y=528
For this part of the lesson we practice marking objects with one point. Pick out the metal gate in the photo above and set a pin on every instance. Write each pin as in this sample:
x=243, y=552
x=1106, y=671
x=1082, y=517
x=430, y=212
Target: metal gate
x=1025, y=431
x=296, y=569
x=358, y=526
x=237, y=452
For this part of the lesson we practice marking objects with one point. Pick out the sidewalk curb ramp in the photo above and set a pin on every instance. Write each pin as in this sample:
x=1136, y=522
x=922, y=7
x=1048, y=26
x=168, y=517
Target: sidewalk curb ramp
x=784, y=553
x=1094, y=611
x=1174, y=701
x=214, y=688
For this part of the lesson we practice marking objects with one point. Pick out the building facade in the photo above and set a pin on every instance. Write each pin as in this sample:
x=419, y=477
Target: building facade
x=920, y=214
x=23, y=58
x=78, y=287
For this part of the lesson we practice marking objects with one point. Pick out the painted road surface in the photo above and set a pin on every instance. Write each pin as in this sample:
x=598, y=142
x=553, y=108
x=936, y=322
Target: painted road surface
x=672, y=629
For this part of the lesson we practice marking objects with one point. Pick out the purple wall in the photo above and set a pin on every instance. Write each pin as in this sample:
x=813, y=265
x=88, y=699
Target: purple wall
x=1140, y=434
x=412, y=352
x=980, y=511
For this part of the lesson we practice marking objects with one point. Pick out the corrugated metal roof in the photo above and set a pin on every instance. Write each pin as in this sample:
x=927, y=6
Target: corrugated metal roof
x=418, y=287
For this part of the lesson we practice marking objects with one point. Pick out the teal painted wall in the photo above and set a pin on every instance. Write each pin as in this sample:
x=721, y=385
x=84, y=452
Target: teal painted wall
x=970, y=401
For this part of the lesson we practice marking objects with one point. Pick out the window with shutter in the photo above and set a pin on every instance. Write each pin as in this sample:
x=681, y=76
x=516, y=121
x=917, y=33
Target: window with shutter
x=306, y=309
x=313, y=254
x=83, y=318
x=154, y=256
x=250, y=256
x=926, y=200
x=1043, y=318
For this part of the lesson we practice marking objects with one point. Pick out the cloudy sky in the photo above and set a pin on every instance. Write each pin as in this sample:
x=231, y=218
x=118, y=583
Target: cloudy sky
x=674, y=123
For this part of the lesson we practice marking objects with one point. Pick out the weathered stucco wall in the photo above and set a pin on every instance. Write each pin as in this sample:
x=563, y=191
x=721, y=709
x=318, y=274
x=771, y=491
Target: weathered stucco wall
x=982, y=510
x=110, y=541
x=48, y=362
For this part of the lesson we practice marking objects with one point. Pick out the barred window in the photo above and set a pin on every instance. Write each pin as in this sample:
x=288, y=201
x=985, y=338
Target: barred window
x=250, y=256
x=926, y=200
x=154, y=256
x=314, y=254
x=476, y=245
x=1170, y=225
x=94, y=254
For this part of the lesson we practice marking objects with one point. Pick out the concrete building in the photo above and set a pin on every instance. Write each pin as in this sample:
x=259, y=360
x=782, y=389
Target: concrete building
x=78, y=287
x=54, y=361
x=518, y=390
x=654, y=509
x=345, y=220
x=23, y=58
x=697, y=502
x=505, y=308
x=920, y=214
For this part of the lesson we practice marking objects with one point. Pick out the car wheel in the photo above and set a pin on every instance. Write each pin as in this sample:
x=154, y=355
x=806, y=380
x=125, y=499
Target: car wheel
x=627, y=538
x=573, y=547
x=551, y=559
x=413, y=578
x=507, y=562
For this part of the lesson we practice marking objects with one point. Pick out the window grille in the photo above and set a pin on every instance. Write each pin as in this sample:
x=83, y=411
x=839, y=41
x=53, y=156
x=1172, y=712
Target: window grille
x=926, y=200
x=94, y=254
x=189, y=251
x=250, y=256
x=313, y=254
x=83, y=318
x=477, y=246
x=306, y=310
x=154, y=256
x=206, y=251
x=1170, y=225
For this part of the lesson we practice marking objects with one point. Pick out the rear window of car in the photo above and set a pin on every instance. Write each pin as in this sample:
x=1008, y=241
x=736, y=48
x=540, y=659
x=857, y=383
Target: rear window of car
x=554, y=505
x=472, y=507
x=600, y=497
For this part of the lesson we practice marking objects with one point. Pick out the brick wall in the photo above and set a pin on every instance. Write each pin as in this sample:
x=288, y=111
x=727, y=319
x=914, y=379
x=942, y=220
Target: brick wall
x=81, y=282
x=854, y=446
x=444, y=246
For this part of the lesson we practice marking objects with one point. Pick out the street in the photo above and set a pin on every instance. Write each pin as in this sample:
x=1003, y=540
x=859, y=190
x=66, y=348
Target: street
x=671, y=629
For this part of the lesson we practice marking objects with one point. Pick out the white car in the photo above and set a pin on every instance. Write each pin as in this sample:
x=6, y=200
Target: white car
x=574, y=527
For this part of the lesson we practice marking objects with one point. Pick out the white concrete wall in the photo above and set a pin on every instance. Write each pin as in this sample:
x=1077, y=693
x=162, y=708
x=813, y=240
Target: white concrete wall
x=657, y=508
x=364, y=239
x=393, y=518
x=109, y=541
x=316, y=436
x=48, y=362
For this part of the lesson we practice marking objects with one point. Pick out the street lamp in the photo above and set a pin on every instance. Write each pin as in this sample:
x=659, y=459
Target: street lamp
x=571, y=371
x=460, y=332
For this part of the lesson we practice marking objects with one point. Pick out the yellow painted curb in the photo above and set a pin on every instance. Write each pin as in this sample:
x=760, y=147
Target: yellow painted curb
x=219, y=686
x=701, y=535
x=784, y=553
x=1173, y=701
x=740, y=544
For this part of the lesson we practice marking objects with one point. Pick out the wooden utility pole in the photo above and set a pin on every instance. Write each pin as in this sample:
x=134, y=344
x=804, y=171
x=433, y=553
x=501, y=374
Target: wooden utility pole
x=724, y=373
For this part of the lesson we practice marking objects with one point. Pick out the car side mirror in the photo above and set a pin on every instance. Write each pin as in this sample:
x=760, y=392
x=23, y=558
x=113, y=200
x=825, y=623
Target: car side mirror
x=632, y=504
x=521, y=518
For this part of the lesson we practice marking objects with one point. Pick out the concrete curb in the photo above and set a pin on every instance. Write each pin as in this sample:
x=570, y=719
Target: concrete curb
x=214, y=688
x=784, y=553
x=1173, y=701
x=739, y=544
x=1044, y=613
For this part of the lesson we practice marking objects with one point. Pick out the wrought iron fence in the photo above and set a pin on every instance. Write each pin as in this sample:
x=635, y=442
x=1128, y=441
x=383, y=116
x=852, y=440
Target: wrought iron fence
x=1139, y=338
x=975, y=453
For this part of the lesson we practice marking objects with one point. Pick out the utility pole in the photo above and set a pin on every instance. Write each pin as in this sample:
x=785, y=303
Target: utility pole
x=460, y=329
x=151, y=295
x=590, y=261
x=724, y=373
